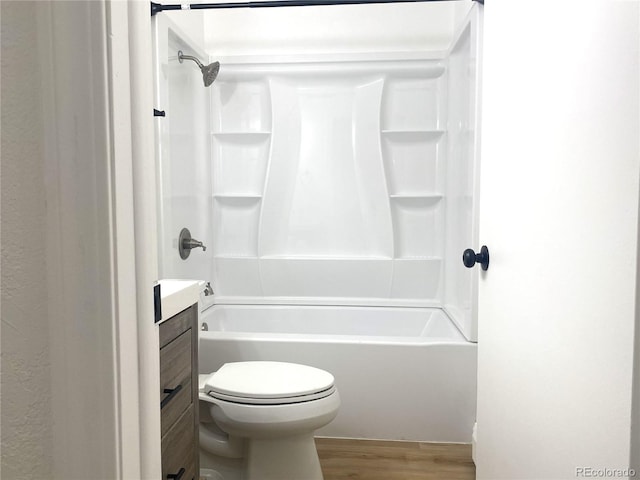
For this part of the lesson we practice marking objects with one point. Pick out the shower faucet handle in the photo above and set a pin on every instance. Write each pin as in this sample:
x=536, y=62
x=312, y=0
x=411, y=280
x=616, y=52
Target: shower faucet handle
x=186, y=244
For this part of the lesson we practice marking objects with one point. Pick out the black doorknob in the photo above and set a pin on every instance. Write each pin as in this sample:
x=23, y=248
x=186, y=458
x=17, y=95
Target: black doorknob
x=470, y=258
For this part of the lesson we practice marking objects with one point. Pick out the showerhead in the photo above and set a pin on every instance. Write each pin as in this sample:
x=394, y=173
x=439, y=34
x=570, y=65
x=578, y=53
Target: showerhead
x=209, y=72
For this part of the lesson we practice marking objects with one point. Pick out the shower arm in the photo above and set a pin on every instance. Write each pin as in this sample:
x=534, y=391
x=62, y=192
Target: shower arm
x=182, y=56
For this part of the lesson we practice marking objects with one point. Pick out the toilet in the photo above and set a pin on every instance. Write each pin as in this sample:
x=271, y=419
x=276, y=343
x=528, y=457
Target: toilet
x=263, y=415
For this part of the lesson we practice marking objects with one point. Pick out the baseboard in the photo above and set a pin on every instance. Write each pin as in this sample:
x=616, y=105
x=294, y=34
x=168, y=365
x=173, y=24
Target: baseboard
x=474, y=439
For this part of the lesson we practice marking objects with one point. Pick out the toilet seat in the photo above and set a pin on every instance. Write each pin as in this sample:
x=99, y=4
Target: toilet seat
x=268, y=383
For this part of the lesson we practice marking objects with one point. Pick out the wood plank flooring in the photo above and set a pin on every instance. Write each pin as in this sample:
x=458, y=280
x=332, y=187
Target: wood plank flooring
x=347, y=459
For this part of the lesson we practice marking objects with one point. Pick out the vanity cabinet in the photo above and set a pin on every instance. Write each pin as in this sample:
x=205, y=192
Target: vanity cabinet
x=179, y=395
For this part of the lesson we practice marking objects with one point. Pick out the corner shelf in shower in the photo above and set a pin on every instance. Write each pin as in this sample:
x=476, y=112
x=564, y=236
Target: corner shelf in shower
x=413, y=160
x=238, y=215
x=408, y=133
x=417, y=219
x=325, y=257
x=422, y=258
x=256, y=196
x=423, y=198
x=259, y=135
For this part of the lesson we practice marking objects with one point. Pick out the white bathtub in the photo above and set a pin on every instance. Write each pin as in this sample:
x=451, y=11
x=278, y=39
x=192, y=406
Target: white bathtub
x=402, y=373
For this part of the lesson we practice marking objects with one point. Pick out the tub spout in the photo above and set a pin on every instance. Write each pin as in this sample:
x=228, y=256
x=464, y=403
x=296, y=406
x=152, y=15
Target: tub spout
x=192, y=243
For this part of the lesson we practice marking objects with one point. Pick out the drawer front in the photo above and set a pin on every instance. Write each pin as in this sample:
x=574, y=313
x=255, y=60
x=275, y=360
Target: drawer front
x=178, y=324
x=175, y=379
x=178, y=448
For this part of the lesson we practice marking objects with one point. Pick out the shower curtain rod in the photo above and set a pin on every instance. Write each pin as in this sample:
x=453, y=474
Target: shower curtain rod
x=157, y=7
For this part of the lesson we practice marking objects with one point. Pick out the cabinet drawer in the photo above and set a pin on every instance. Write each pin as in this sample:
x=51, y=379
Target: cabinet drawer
x=178, y=448
x=175, y=379
x=175, y=326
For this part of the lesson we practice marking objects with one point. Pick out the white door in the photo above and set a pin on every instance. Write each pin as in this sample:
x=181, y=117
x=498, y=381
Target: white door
x=559, y=213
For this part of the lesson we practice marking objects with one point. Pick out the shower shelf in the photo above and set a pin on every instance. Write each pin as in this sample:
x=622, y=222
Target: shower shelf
x=257, y=134
x=325, y=257
x=237, y=195
x=417, y=196
x=413, y=132
x=416, y=201
x=418, y=257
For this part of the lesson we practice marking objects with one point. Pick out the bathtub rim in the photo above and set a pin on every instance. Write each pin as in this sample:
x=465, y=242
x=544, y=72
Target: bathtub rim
x=406, y=340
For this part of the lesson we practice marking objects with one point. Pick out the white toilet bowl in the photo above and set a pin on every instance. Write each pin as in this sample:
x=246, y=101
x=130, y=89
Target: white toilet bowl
x=266, y=413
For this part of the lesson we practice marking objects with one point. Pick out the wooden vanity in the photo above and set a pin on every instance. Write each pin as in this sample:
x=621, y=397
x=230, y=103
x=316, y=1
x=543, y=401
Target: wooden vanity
x=178, y=346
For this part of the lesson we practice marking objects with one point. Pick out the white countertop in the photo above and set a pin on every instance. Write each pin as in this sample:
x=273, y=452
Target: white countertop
x=176, y=295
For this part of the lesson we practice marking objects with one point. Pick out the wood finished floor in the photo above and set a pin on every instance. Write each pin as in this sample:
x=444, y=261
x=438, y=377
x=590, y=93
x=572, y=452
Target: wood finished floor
x=346, y=459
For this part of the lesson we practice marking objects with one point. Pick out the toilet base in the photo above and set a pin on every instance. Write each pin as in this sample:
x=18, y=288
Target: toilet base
x=226, y=468
x=210, y=474
x=286, y=458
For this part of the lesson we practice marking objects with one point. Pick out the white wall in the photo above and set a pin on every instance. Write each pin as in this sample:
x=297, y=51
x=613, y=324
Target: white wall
x=635, y=412
x=190, y=22
x=79, y=239
x=26, y=358
x=62, y=405
x=413, y=27
x=66, y=412
x=635, y=421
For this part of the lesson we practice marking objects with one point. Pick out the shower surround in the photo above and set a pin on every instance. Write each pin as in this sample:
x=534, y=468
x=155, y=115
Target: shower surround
x=328, y=181
x=342, y=186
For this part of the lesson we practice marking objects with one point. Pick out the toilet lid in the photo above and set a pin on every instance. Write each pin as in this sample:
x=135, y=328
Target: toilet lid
x=269, y=382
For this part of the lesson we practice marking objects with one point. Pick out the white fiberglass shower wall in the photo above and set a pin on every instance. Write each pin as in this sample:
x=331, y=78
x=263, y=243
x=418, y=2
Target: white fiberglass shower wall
x=333, y=163
x=183, y=154
x=327, y=181
x=342, y=178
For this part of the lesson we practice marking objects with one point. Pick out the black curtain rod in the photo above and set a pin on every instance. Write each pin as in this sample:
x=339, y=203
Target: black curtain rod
x=157, y=7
